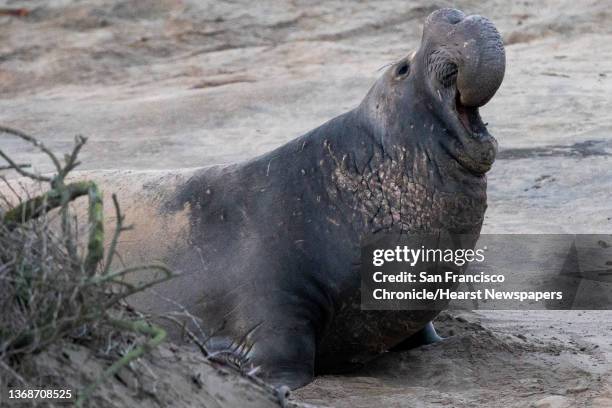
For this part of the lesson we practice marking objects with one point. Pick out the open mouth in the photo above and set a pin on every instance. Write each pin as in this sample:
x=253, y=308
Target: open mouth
x=473, y=147
x=470, y=118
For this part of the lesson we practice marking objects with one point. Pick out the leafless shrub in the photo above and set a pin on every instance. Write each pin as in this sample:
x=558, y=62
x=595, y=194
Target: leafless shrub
x=50, y=286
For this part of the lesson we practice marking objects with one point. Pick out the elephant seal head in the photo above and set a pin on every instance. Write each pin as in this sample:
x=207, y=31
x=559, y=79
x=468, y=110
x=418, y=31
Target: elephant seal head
x=430, y=100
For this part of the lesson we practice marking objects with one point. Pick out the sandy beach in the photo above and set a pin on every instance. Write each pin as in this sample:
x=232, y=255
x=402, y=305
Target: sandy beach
x=170, y=84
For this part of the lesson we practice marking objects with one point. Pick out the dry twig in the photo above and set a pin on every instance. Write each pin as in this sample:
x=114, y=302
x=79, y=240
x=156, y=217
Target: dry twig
x=47, y=290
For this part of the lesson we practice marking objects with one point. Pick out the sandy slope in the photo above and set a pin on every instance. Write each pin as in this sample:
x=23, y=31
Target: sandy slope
x=175, y=376
x=489, y=359
x=162, y=84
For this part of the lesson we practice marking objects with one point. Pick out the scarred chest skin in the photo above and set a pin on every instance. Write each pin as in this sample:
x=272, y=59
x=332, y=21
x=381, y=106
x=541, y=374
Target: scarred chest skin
x=398, y=193
x=398, y=190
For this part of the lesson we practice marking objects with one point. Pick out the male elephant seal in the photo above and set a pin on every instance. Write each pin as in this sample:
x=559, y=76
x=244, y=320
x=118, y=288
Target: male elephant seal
x=269, y=248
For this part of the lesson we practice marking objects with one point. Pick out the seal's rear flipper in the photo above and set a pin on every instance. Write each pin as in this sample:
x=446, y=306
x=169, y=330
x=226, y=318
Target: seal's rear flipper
x=427, y=335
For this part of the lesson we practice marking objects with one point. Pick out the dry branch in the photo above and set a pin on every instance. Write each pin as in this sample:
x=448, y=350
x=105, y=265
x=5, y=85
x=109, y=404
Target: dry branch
x=47, y=289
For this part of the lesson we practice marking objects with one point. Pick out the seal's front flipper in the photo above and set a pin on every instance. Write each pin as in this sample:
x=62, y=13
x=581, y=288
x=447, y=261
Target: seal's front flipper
x=282, y=393
x=427, y=335
x=287, y=358
x=292, y=377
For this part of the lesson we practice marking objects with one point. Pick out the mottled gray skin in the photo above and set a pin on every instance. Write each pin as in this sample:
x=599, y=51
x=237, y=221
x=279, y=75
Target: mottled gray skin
x=274, y=243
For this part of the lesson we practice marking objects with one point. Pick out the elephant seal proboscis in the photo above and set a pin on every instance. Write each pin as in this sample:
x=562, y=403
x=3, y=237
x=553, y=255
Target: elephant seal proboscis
x=268, y=248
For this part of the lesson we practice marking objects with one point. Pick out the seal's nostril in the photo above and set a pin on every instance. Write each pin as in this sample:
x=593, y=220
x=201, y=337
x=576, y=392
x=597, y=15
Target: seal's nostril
x=454, y=19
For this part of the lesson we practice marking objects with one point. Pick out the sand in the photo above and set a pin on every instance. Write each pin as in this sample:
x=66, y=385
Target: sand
x=167, y=84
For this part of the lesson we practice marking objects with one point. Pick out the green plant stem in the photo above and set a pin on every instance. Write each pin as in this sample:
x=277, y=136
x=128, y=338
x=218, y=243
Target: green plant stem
x=43, y=203
x=95, y=244
x=60, y=196
x=140, y=326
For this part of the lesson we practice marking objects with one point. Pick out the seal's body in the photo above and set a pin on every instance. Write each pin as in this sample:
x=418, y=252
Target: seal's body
x=269, y=249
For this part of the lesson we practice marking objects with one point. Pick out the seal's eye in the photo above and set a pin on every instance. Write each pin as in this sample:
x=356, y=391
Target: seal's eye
x=403, y=69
